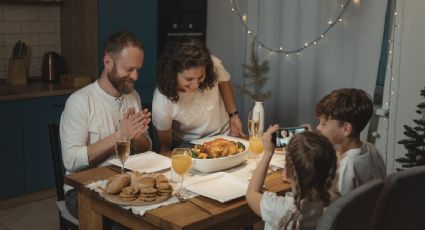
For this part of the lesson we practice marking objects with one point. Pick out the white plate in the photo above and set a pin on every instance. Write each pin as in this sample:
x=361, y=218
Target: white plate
x=147, y=162
x=278, y=160
x=219, y=186
x=221, y=163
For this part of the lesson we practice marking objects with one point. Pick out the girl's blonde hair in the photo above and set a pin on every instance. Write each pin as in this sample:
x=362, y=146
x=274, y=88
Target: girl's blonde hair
x=311, y=161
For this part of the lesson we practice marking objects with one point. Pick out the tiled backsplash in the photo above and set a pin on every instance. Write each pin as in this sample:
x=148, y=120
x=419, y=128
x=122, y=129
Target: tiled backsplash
x=36, y=25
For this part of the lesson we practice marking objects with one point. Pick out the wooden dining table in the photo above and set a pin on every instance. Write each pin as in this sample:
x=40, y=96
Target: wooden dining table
x=182, y=215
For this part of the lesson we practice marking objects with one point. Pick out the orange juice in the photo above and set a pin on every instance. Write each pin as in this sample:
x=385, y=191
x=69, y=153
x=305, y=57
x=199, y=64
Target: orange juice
x=256, y=145
x=181, y=163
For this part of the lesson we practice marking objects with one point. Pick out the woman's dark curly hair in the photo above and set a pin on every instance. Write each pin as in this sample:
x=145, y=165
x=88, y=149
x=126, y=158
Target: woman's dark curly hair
x=181, y=55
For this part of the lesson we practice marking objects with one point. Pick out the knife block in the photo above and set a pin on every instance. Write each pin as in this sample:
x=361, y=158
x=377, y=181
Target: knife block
x=18, y=71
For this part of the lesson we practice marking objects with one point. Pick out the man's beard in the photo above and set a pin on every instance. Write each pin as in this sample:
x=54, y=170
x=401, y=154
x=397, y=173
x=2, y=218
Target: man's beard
x=120, y=83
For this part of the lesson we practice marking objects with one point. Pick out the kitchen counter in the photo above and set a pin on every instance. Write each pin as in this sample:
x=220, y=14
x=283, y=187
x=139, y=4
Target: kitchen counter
x=33, y=90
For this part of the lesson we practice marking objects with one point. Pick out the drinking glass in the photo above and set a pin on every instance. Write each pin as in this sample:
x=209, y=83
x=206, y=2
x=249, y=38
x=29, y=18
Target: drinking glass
x=181, y=161
x=122, y=147
x=253, y=122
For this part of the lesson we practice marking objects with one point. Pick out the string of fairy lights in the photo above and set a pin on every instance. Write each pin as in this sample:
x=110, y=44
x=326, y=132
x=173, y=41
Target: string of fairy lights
x=393, y=63
x=281, y=50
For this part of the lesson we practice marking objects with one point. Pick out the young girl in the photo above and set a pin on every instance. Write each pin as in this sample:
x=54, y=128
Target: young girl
x=310, y=168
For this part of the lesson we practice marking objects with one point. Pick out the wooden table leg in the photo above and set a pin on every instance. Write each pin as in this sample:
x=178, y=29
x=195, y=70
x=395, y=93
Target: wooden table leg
x=88, y=218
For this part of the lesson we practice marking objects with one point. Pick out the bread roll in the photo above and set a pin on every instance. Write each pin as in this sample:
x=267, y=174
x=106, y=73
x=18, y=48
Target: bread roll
x=117, y=183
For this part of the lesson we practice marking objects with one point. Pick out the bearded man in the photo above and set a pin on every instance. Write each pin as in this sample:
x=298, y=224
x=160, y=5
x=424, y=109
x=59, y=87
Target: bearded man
x=95, y=114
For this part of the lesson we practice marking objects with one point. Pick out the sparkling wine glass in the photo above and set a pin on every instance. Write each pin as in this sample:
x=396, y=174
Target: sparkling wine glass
x=181, y=162
x=253, y=122
x=122, y=147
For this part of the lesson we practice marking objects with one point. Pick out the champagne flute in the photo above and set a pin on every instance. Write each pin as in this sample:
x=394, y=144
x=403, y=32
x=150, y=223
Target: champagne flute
x=122, y=147
x=253, y=122
x=181, y=161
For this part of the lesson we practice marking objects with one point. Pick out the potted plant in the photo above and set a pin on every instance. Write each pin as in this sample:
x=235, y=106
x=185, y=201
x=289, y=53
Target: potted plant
x=255, y=75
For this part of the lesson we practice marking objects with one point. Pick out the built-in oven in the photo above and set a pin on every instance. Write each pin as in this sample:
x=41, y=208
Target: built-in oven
x=177, y=18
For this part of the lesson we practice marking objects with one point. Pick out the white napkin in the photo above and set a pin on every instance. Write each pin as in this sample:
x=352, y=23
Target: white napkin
x=278, y=161
x=147, y=162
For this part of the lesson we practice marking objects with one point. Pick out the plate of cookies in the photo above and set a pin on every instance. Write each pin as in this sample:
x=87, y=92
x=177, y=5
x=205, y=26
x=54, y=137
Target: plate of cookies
x=137, y=189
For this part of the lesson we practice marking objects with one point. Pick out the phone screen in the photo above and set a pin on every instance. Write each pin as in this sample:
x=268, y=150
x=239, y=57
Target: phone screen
x=282, y=136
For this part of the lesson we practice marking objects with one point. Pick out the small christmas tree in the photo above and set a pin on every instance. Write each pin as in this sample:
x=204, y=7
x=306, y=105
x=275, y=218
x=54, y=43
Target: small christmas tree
x=415, y=143
x=255, y=73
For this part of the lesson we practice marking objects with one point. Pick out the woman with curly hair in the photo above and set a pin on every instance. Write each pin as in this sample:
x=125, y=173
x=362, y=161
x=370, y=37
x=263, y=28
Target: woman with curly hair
x=310, y=168
x=194, y=97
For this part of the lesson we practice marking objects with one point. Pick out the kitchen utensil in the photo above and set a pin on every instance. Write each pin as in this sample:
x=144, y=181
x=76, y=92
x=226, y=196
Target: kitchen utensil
x=52, y=66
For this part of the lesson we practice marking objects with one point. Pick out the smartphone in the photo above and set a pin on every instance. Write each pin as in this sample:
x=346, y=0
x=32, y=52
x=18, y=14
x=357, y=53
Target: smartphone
x=282, y=136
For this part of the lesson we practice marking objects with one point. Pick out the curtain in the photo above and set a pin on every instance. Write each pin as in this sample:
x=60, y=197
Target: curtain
x=348, y=55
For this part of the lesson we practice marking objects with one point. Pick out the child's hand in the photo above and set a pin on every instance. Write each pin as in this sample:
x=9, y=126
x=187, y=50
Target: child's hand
x=267, y=139
x=307, y=127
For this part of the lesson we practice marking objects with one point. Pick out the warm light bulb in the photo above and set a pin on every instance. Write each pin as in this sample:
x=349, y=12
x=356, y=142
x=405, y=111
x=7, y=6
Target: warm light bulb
x=322, y=36
x=249, y=31
x=356, y=2
x=315, y=43
x=340, y=19
x=244, y=18
x=305, y=44
x=281, y=48
x=298, y=53
x=330, y=22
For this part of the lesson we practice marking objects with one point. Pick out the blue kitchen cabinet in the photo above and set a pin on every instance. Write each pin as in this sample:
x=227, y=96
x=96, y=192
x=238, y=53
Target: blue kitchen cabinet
x=10, y=113
x=38, y=168
x=36, y=114
x=12, y=171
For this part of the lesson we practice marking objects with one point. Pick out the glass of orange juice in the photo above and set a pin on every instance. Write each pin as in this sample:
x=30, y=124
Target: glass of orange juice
x=256, y=145
x=256, y=148
x=181, y=162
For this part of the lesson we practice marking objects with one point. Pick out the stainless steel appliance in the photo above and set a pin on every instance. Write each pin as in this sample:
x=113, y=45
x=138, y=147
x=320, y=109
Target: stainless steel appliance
x=52, y=66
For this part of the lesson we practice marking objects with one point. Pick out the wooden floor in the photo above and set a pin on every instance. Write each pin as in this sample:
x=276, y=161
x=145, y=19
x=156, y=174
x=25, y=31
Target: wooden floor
x=38, y=215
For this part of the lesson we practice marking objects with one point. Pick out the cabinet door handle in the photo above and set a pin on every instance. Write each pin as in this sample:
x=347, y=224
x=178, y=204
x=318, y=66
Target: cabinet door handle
x=58, y=106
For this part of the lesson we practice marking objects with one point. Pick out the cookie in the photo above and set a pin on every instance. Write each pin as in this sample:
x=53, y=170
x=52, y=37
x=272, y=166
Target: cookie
x=160, y=179
x=130, y=190
x=164, y=194
x=147, y=199
x=148, y=190
x=163, y=186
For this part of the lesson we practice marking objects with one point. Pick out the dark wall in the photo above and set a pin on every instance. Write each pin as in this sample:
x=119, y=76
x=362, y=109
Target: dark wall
x=139, y=17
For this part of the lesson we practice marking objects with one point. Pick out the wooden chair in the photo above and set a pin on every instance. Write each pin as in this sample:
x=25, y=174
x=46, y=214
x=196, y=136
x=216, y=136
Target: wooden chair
x=66, y=219
x=402, y=202
x=353, y=210
x=152, y=130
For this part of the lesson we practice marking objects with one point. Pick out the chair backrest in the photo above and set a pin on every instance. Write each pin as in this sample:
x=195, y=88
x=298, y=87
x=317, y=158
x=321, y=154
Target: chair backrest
x=352, y=210
x=152, y=130
x=55, y=148
x=402, y=203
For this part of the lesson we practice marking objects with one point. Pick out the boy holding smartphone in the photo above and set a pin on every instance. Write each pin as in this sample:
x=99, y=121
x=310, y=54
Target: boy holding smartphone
x=342, y=115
